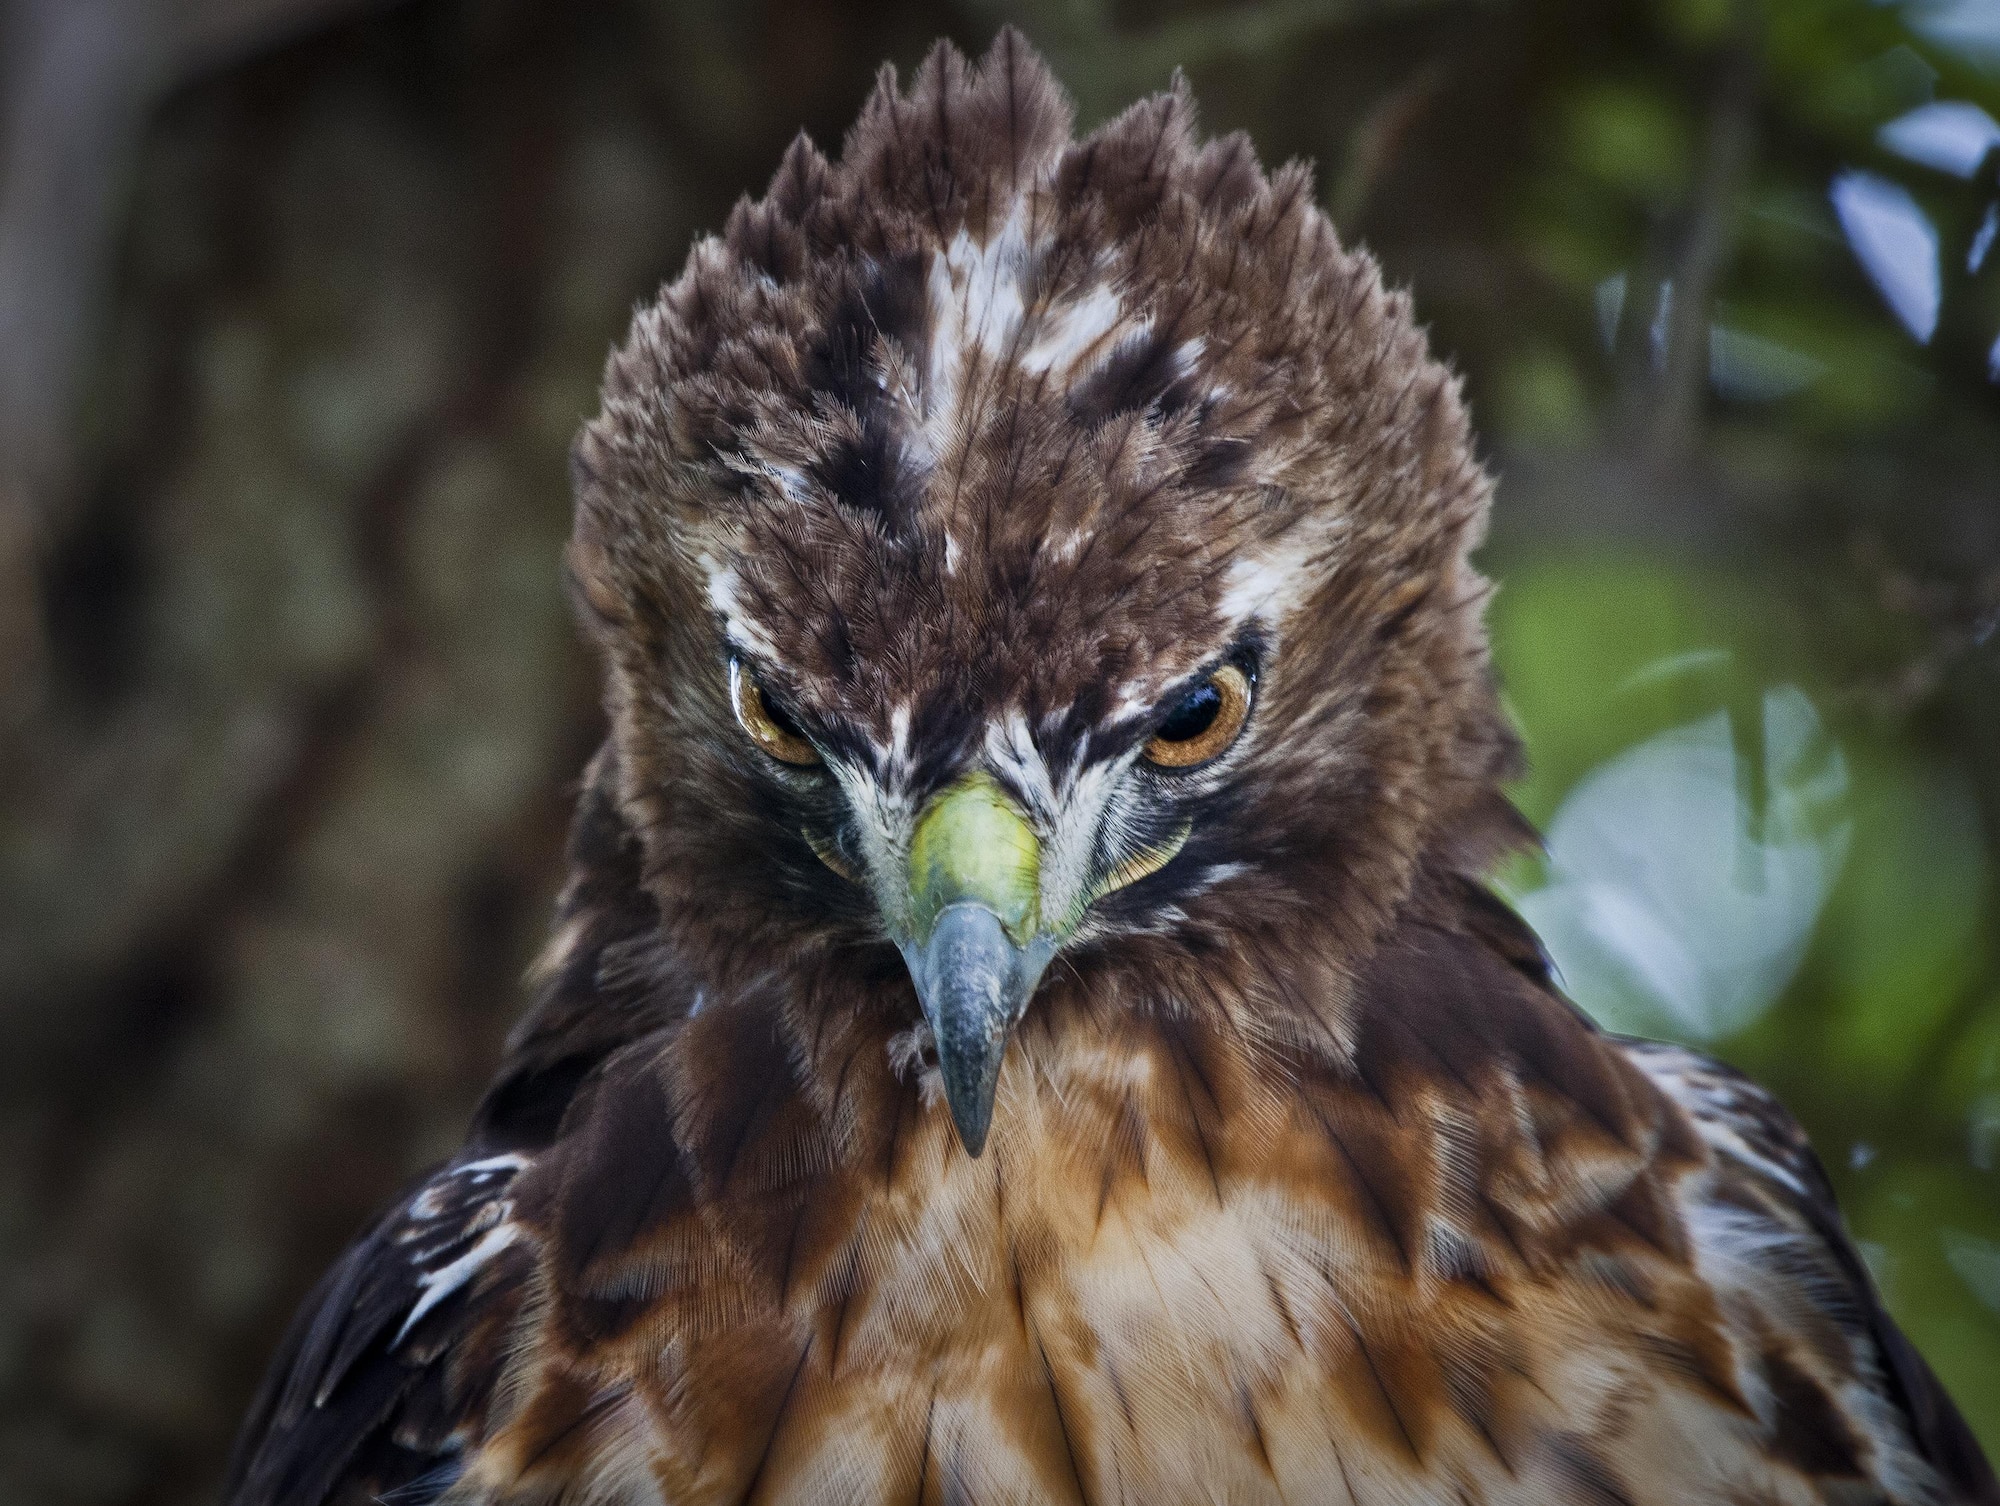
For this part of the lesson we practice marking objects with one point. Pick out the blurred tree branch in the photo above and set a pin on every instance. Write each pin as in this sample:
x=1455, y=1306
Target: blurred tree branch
x=1682, y=381
x=77, y=84
x=1106, y=65
x=1374, y=143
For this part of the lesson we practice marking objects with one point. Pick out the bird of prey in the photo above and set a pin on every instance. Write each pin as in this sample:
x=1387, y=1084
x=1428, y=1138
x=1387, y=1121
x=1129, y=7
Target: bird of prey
x=1025, y=1022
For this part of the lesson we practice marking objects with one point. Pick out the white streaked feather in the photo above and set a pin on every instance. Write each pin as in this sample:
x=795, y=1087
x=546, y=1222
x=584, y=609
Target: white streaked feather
x=1076, y=330
x=744, y=631
x=441, y=1283
x=506, y=1161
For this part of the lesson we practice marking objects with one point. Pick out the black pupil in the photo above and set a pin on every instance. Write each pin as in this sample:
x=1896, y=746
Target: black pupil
x=1195, y=714
x=778, y=717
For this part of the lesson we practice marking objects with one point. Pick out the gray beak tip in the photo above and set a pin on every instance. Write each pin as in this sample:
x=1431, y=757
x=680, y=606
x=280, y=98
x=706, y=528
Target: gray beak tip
x=973, y=1121
x=973, y=982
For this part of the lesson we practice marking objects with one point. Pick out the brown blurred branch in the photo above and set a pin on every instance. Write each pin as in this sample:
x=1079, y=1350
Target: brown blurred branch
x=75, y=74
x=1958, y=618
x=1682, y=380
x=1106, y=65
x=211, y=34
x=1374, y=143
x=78, y=81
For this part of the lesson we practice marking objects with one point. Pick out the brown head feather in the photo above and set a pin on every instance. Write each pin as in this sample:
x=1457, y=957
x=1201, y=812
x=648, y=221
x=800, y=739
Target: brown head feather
x=984, y=436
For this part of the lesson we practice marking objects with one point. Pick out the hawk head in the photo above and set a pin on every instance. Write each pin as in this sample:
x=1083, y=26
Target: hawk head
x=1034, y=570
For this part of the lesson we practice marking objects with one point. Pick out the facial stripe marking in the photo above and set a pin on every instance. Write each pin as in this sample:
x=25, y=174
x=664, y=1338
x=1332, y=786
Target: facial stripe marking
x=1144, y=863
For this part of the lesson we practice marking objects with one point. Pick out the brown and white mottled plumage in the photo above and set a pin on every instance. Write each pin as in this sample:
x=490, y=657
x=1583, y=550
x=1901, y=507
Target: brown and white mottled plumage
x=983, y=451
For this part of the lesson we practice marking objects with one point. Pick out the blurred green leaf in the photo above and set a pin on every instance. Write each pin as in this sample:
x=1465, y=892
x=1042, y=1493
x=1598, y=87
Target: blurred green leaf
x=1597, y=652
x=1917, y=1211
x=1903, y=935
x=1631, y=137
x=1542, y=400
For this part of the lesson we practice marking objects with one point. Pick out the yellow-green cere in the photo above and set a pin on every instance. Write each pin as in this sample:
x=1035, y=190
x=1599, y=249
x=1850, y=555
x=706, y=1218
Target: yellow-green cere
x=974, y=845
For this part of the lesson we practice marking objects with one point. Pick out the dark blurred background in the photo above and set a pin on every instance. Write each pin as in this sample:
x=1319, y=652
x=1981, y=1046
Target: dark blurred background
x=302, y=300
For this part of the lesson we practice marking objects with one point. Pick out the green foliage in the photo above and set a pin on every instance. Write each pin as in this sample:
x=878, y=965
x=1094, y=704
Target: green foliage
x=1599, y=651
x=1904, y=934
x=1824, y=467
x=1631, y=139
x=1542, y=398
x=1930, y=1225
x=1887, y=1040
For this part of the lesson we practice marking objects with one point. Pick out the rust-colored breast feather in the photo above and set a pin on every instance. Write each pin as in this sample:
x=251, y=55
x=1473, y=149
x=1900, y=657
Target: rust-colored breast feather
x=1499, y=1257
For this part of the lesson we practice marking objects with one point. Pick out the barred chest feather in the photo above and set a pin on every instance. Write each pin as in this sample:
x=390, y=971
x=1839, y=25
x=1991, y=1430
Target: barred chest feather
x=1186, y=1269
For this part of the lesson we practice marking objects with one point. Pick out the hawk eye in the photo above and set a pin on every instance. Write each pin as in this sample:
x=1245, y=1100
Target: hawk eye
x=1203, y=722
x=770, y=726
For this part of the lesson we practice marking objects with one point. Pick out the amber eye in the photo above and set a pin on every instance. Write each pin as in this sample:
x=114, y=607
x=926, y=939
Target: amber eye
x=1203, y=722
x=770, y=728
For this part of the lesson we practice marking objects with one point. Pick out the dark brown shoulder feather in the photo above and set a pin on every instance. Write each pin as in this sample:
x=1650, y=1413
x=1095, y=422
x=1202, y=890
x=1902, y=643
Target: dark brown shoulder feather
x=390, y=1358
x=386, y=1366
x=606, y=978
x=1759, y=1141
x=1762, y=1163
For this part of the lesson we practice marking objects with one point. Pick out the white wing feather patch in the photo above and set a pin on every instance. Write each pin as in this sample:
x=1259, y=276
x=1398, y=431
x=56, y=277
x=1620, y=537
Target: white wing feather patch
x=1738, y=1119
x=441, y=1283
x=455, y=1227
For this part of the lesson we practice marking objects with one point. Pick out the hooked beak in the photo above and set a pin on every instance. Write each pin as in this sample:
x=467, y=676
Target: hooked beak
x=978, y=946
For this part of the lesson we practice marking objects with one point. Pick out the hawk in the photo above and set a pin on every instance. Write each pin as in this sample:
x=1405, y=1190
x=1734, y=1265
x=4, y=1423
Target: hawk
x=1025, y=1022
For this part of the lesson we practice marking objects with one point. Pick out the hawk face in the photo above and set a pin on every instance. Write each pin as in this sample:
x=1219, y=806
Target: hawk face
x=1008, y=548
